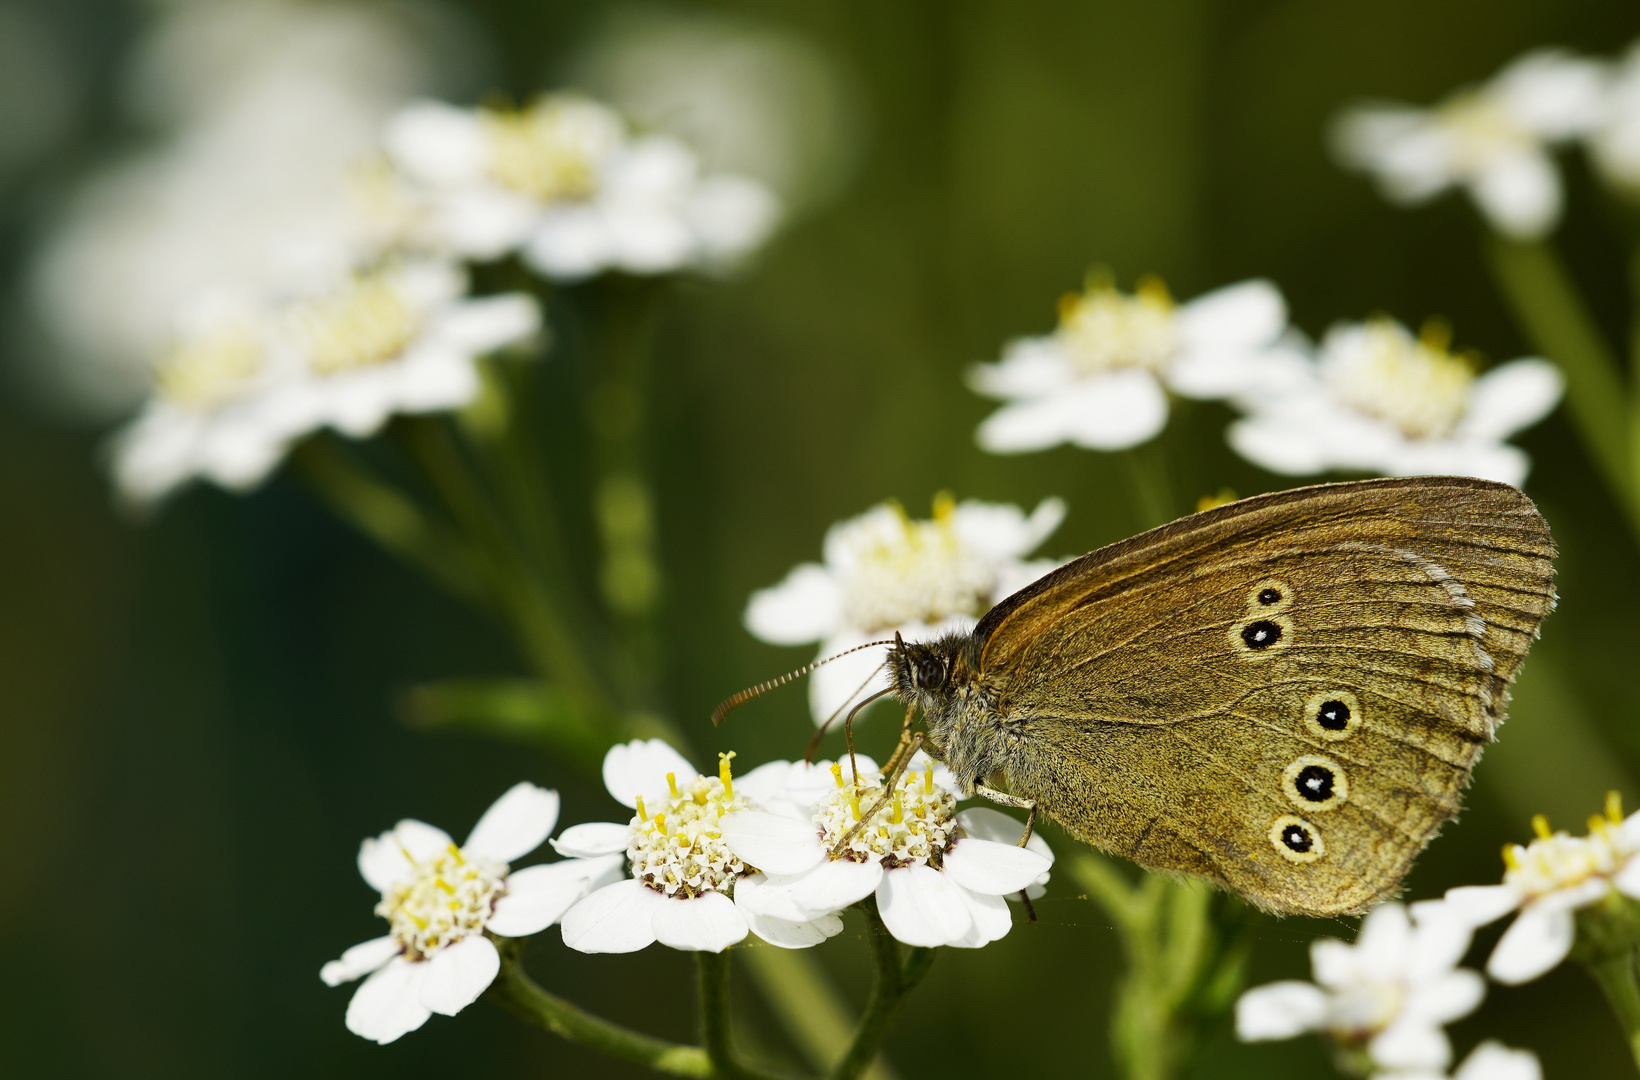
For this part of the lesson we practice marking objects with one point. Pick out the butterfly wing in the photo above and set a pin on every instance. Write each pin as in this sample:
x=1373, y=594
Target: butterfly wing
x=1286, y=694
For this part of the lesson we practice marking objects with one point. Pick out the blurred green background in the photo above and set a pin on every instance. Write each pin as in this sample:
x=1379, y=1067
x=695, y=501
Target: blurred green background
x=197, y=715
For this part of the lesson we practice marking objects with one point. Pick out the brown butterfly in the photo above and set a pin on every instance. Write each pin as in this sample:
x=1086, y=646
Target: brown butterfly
x=1284, y=695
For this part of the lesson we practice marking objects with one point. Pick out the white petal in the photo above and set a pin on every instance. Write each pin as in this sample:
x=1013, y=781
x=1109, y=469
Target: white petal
x=360, y=960
x=1478, y=905
x=1410, y=1044
x=985, y=866
x=1493, y=1061
x=1520, y=194
x=807, y=606
x=382, y=863
x=829, y=887
x=591, y=839
x=1247, y=315
x=388, y=1004
x=992, y=920
x=1627, y=879
x=767, y=783
x=1031, y=424
x=436, y=143
x=1510, y=397
x=921, y=906
x=1278, y=446
x=616, y=919
x=1030, y=368
x=1119, y=410
x=988, y=824
x=538, y=896
x=458, y=973
x=838, y=686
x=486, y=324
x=1334, y=964
x=1446, y=998
x=1279, y=1011
x=708, y=923
x=421, y=840
x=786, y=933
x=570, y=242
x=1385, y=942
x=778, y=845
x=1000, y=531
x=1536, y=941
x=515, y=824
x=640, y=768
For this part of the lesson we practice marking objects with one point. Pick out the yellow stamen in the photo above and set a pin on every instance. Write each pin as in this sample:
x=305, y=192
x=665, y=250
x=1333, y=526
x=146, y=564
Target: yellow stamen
x=945, y=506
x=643, y=814
x=455, y=853
x=854, y=802
x=899, y=812
x=445, y=885
x=1597, y=825
x=1152, y=288
x=1436, y=334
x=1511, y=856
x=928, y=778
x=1614, y=807
x=837, y=773
x=1540, y=825
x=672, y=782
x=660, y=824
x=882, y=831
x=723, y=774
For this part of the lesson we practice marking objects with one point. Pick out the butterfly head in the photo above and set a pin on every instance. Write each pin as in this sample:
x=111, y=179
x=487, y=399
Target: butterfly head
x=924, y=673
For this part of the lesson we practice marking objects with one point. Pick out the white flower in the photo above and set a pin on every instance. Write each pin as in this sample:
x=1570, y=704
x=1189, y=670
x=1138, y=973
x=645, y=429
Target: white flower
x=1615, y=142
x=264, y=108
x=938, y=876
x=1380, y=400
x=440, y=902
x=564, y=182
x=1547, y=881
x=1492, y=139
x=1387, y=995
x=686, y=888
x=1097, y=381
x=247, y=380
x=1489, y=1061
x=884, y=573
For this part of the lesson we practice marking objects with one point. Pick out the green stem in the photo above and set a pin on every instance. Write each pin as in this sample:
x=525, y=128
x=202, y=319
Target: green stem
x=896, y=978
x=715, y=1028
x=1615, y=973
x=813, y=1013
x=1557, y=322
x=1152, y=490
x=388, y=517
x=518, y=992
x=548, y=640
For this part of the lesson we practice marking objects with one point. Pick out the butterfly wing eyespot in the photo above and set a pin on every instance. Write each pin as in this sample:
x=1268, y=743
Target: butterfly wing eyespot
x=1296, y=840
x=1175, y=704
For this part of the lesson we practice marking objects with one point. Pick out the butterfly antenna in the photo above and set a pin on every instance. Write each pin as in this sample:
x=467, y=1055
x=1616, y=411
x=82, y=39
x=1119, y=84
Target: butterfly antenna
x=820, y=732
x=760, y=689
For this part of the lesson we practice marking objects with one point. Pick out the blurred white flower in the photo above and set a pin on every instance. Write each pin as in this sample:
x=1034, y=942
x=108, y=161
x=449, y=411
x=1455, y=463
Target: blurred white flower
x=245, y=382
x=884, y=574
x=440, y=902
x=687, y=889
x=1489, y=1061
x=265, y=110
x=1493, y=139
x=937, y=878
x=564, y=182
x=1098, y=380
x=1547, y=881
x=1387, y=996
x=1381, y=400
x=1615, y=141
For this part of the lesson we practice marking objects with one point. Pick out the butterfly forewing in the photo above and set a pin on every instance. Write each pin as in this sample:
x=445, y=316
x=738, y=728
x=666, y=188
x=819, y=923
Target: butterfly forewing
x=1286, y=694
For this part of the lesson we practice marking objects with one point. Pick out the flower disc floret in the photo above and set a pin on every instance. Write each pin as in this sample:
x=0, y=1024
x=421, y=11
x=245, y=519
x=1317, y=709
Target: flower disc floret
x=551, y=150
x=913, y=571
x=1416, y=384
x=366, y=322
x=211, y=369
x=1102, y=329
x=915, y=825
x=679, y=850
x=444, y=899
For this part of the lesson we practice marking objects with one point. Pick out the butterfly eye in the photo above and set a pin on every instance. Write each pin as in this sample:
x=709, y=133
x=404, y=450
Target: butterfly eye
x=930, y=673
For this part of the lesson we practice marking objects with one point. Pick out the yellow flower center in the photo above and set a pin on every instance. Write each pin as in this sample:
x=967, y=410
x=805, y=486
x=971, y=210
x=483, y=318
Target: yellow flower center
x=1481, y=129
x=914, y=571
x=365, y=323
x=1416, y=384
x=549, y=151
x=916, y=825
x=1102, y=330
x=210, y=369
x=1557, y=860
x=447, y=897
x=679, y=850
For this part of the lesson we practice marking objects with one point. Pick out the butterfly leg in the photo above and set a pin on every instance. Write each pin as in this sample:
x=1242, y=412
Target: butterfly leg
x=904, y=745
x=892, y=778
x=1015, y=801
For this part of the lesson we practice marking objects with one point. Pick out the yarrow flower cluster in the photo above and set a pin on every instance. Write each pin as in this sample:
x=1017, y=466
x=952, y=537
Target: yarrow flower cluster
x=1100, y=380
x=442, y=902
x=1378, y=399
x=939, y=876
x=884, y=573
x=1383, y=1001
x=685, y=887
x=1548, y=881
